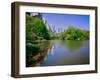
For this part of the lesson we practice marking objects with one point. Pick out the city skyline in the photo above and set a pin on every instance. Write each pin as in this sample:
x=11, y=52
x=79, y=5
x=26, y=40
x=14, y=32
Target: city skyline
x=63, y=21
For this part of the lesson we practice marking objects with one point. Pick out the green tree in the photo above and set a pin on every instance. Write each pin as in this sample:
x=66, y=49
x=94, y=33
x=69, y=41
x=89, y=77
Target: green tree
x=73, y=33
x=36, y=29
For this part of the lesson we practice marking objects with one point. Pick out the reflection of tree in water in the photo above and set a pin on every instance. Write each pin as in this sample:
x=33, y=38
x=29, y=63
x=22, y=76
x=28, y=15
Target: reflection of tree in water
x=36, y=57
x=72, y=45
x=40, y=51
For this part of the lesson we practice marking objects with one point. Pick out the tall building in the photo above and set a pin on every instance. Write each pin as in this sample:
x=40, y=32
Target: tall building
x=51, y=28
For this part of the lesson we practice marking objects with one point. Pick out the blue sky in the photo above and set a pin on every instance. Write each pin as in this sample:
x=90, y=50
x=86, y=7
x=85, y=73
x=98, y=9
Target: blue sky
x=62, y=21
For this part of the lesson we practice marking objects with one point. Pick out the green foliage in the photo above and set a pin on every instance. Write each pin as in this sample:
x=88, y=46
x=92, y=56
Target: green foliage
x=73, y=33
x=32, y=48
x=36, y=52
x=35, y=29
x=36, y=33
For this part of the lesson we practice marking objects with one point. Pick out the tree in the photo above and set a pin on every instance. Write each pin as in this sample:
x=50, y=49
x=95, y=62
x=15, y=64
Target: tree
x=73, y=33
x=36, y=29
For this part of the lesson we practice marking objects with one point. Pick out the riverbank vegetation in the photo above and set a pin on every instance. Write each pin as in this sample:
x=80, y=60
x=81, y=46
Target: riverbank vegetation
x=37, y=33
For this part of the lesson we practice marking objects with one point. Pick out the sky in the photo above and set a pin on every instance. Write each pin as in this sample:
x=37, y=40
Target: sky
x=62, y=21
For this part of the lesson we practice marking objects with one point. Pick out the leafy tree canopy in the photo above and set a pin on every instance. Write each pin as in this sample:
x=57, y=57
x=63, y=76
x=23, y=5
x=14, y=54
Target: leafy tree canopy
x=73, y=33
x=36, y=29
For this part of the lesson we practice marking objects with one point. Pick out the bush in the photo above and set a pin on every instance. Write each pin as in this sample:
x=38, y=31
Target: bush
x=32, y=48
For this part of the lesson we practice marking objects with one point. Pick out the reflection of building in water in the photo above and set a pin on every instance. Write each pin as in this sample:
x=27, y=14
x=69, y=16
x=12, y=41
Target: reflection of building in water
x=51, y=50
x=46, y=57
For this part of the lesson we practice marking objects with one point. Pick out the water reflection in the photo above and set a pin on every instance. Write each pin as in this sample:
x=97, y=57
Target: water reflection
x=60, y=52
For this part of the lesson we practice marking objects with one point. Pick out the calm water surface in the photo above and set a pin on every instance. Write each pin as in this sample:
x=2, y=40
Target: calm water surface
x=60, y=52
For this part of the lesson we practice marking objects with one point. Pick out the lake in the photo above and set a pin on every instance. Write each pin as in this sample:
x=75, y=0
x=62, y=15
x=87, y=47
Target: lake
x=62, y=52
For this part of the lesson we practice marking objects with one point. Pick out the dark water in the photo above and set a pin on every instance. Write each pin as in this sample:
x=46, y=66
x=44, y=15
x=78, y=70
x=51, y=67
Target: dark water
x=60, y=52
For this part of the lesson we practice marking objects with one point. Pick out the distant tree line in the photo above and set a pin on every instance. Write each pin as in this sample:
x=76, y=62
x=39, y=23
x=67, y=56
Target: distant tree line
x=73, y=33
